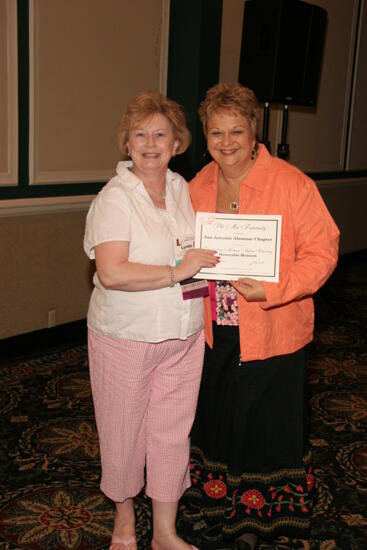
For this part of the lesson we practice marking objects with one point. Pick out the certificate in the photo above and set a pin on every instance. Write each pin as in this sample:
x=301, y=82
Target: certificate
x=248, y=245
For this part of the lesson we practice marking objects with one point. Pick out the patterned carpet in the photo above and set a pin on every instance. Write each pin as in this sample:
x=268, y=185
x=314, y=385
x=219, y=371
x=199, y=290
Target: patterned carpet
x=49, y=463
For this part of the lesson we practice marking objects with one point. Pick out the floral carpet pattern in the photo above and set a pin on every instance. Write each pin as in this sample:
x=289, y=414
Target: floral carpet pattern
x=49, y=458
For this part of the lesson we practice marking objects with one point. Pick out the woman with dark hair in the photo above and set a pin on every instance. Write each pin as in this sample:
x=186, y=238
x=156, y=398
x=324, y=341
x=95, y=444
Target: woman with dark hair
x=250, y=462
x=145, y=341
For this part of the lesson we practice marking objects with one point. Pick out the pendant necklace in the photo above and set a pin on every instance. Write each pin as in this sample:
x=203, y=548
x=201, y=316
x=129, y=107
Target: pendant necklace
x=233, y=204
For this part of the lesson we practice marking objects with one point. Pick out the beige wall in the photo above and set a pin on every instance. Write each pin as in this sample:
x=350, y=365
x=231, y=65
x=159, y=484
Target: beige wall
x=3, y=89
x=86, y=63
x=357, y=149
x=347, y=200
x=43, y=267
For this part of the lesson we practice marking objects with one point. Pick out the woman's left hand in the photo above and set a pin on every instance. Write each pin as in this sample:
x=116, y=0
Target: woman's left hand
x=251, y=289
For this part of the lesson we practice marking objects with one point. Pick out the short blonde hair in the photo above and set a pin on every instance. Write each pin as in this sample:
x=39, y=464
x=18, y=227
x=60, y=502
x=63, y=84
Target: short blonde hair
x=233, y=97
x=146, y=104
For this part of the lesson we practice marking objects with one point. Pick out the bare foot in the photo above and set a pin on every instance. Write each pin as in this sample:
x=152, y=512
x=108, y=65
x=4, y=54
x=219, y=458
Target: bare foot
x=119, y=543
x=123, y=541
x=123, y=536
x=170, y=542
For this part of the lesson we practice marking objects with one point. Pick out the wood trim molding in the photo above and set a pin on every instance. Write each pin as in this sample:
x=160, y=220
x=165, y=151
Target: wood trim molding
x=44, y=205
x=11, y=176
x=164, y=46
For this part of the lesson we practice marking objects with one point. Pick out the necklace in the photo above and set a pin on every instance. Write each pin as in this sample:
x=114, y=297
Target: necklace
x=233, y=204
x=230, y=195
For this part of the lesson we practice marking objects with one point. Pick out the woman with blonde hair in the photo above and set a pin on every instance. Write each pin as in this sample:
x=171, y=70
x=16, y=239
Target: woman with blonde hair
x=145, y=340
x=250, y=463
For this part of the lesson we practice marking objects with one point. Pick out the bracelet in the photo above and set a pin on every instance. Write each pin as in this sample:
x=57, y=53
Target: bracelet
x=172, y=277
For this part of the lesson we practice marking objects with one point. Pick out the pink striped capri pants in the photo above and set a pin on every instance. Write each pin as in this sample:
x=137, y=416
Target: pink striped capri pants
x=145, y=397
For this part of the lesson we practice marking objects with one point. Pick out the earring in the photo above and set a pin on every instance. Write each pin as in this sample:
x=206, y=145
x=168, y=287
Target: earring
x=253, y=153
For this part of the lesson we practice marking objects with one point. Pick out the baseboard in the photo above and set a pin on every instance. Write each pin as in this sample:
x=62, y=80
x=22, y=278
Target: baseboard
x=39, y=340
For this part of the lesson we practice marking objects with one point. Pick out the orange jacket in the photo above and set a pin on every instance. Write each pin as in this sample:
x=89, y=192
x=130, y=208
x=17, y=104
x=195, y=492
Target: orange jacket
x=283, y=323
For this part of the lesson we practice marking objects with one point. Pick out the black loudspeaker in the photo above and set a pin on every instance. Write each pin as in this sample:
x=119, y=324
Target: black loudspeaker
x=281, y=52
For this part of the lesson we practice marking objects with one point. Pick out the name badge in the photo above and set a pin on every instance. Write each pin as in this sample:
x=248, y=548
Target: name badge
x=191, y=288
x=182, y=244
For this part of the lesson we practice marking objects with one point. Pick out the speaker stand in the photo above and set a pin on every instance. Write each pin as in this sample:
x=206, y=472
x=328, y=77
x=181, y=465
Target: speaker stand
x=264, y=138
x=283, y=147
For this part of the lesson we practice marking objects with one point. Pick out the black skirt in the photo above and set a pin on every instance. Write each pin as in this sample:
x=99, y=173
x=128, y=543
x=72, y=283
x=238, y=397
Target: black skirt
x=250, y=463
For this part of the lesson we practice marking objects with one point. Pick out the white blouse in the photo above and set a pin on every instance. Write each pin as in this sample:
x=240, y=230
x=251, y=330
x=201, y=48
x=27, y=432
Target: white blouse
x=123, y=211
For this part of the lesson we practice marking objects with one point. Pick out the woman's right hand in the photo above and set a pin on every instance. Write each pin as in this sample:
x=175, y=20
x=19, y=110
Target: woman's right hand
x=193, y=261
